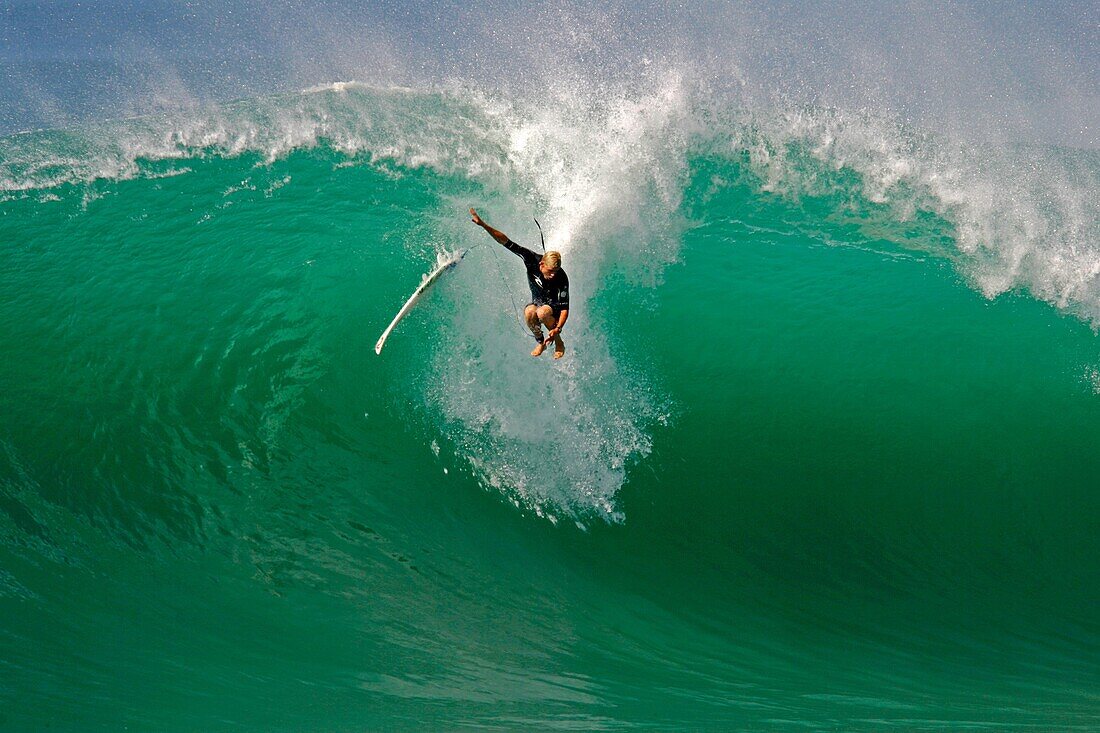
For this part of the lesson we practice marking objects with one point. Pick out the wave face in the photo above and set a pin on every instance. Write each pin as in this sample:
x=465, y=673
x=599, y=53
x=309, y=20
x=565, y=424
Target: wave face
x=822, y=454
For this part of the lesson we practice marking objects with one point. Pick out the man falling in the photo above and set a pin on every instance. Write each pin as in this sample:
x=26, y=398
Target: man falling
x=549, y=304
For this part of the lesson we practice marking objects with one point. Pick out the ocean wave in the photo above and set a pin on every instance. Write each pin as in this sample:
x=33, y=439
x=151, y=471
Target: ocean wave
x=1024, y=216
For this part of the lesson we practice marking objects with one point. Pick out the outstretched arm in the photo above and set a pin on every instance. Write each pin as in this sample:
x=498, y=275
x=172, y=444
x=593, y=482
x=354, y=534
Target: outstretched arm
x=494, y=233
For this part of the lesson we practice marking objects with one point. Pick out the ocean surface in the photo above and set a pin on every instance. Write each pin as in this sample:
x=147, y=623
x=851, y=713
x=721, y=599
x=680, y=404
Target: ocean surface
x=823, y=454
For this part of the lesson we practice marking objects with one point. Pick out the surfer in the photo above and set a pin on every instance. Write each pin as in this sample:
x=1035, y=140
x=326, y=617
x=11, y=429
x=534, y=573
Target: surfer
x=549, y=304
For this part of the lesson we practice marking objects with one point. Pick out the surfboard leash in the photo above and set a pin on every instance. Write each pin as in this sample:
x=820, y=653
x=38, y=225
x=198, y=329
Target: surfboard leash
x=504, y=286
x=541, y=238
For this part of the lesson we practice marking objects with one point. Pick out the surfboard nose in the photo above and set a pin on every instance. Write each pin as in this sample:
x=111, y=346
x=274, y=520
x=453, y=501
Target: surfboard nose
x=451, y=261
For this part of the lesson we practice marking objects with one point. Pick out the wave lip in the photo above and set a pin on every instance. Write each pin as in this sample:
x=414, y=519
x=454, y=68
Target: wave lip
x=1023, y=216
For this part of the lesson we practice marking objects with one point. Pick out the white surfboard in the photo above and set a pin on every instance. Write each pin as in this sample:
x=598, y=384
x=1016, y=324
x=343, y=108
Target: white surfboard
x=430, y=278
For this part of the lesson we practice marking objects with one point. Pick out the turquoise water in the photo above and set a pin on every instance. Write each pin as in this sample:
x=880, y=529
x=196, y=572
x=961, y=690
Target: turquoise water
x=822, y=454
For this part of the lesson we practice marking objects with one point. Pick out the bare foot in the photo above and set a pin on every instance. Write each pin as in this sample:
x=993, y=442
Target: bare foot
x=539, y=349
x=559, y=348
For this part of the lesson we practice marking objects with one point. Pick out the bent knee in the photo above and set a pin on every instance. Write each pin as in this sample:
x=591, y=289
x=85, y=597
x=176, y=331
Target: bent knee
x=530, y=312
x=545, y=311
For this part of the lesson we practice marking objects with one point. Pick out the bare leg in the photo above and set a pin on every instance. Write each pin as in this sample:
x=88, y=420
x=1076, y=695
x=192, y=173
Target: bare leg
x=530, y=314
x=546, y=315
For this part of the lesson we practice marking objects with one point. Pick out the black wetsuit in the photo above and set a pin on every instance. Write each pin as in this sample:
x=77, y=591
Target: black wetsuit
x=553, y=292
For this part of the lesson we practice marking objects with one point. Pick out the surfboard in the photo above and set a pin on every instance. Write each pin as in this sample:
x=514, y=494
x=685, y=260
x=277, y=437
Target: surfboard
x=429, y=279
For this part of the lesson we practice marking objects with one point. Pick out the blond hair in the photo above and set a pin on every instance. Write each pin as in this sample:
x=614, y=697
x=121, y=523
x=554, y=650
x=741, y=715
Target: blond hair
x=552, y=259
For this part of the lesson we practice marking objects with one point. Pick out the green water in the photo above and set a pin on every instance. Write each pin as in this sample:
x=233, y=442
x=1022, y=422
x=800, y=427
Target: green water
x=796, y=472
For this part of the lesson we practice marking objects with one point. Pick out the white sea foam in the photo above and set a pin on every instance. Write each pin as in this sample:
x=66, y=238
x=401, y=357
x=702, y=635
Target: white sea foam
x=1026, y=217
x=604, y=169
x=605, y=181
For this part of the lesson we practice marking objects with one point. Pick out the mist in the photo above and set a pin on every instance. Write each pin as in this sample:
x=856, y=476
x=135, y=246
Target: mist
x=982, y=71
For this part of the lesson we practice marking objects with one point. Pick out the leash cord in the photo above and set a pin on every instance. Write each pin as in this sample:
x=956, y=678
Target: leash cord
x=504, y=284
